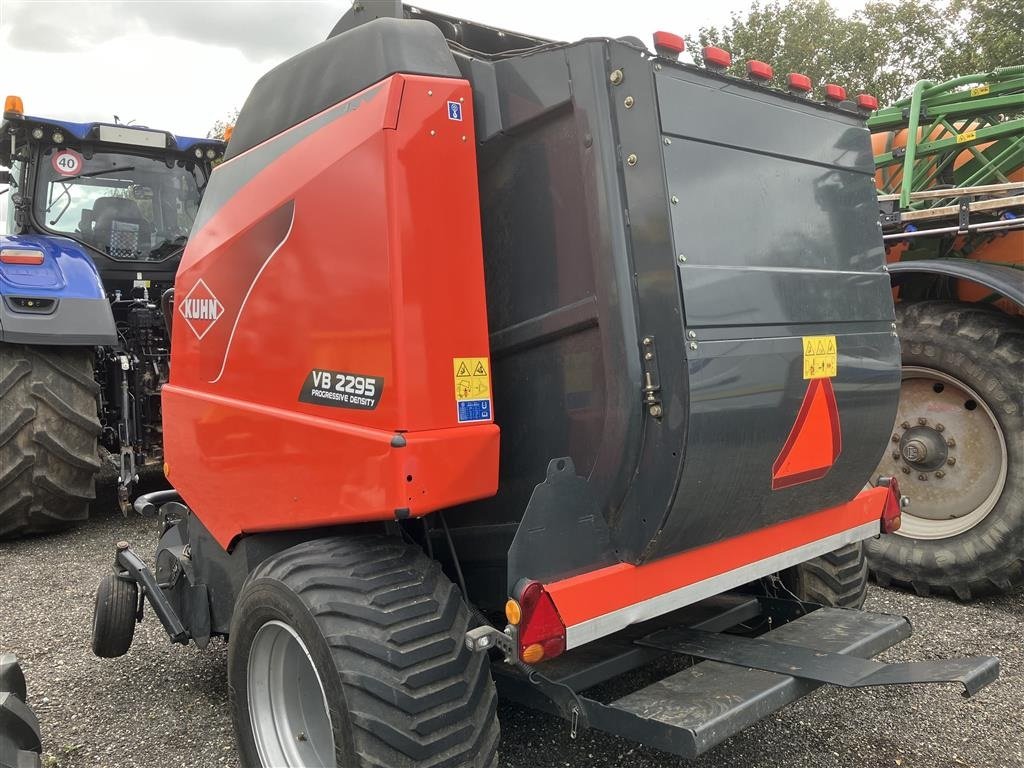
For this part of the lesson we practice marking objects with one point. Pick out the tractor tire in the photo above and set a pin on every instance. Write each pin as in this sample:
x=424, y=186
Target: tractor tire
x=48, y=438
x=20, y=744
x=113, y=619
x=838, y=579
x=958, y=453
x=350, y=651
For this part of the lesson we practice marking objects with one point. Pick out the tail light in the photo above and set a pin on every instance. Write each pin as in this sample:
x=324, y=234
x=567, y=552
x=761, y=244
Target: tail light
x=540, y=631
x=21, y=256
x=835, y=92
x=716, y=58
x=668, y=45
x=867, y=101
x=799, y=83
x=758, y=70
x=895, y=502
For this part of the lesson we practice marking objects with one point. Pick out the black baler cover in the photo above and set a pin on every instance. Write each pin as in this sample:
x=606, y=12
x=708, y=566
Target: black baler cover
x=336, y=69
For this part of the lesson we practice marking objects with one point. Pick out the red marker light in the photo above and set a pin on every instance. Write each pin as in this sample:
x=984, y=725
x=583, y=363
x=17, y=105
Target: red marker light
x=798, y=82
x=541, y=630
x=758, y=70
x=716, y=58
x=835, y=92
x=892, y=513
x=21, y=256
x=668, y=44
x=867, y=101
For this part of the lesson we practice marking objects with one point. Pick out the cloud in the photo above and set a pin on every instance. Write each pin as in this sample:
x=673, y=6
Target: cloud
x=260, y=31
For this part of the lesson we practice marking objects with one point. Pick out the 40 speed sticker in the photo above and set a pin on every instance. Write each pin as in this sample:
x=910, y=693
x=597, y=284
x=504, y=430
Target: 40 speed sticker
x=342, y=390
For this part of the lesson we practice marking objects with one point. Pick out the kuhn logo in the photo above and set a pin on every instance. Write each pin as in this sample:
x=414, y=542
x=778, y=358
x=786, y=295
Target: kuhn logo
x=201, y=309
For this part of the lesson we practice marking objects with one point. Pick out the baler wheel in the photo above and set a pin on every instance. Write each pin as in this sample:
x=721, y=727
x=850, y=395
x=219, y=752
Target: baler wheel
x=113, y=621
x=958, y=452
x=350, y=651
x=48, y=437
x=837, y=579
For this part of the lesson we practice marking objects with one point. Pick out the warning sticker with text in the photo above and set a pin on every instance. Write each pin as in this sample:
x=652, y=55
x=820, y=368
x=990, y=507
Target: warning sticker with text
x=472, y=388
x=820, y=357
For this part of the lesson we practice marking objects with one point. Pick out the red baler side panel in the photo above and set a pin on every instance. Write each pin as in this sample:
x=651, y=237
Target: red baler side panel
x=354, y=248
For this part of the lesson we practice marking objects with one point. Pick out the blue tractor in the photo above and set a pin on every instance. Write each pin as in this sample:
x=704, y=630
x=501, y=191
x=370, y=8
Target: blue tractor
x=97, y=217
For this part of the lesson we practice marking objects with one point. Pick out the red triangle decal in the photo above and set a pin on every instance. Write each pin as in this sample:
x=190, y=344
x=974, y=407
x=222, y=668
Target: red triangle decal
x=815, y=441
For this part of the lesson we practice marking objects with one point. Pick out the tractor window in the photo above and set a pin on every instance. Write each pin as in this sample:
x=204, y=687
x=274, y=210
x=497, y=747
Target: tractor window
x=130, y=207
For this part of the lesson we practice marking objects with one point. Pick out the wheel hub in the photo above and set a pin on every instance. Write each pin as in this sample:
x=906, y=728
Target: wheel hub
x=924, y=448
x=949, y=453
x=291, y=721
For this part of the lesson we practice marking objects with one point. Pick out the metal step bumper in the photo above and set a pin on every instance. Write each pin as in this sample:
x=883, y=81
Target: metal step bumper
x=741, y=680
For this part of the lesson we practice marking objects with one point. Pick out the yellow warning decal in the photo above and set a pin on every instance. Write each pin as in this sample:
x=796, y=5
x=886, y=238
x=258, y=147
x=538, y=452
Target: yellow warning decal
x=820, y=357
x=963, y=138
x=472, y=378
x=981, y=90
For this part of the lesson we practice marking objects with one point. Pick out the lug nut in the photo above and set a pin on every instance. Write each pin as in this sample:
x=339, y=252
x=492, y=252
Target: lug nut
x=922, y=476
x=906, y=470
x=905, y=425
x=940, y=474
x=895, y=438
x=951, y=443
x=940, y=428
x=951, y=461
x=922, y=421
x=896, y=455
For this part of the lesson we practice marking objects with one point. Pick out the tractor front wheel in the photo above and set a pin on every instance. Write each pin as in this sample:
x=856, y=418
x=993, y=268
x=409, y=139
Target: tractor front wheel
x=958, y=451
x=350, y=651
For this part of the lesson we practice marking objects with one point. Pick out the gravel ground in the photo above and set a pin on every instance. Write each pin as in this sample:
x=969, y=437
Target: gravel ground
x=162, y=706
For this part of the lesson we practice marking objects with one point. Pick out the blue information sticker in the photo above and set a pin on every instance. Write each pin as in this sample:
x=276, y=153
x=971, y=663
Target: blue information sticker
x=474, y=410
x=454, y=111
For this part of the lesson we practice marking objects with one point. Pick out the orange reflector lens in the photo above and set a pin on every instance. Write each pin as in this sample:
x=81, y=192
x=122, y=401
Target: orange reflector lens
x=815, y=441
x=21, y=255
x=14, y=104
x=228, y=130
x=533, y=653
x=716, y=57
x=167, y=469
x=513, y=613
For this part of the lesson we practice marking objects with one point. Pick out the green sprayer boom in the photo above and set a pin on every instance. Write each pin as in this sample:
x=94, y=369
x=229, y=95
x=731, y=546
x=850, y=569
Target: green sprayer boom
x=952, y=149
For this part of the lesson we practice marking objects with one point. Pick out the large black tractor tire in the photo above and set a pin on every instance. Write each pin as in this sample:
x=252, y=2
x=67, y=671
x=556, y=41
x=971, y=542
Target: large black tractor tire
x=48, y=437
x=350, y=651
x=963, y=392
x=838, y=579
x=20, y=744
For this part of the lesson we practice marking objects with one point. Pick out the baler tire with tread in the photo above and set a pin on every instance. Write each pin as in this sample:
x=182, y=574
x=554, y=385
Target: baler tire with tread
x=113, y=624
x=20, y=741
x=49, y=428
x=836, y=579
x=984, y=349
x=381, y=629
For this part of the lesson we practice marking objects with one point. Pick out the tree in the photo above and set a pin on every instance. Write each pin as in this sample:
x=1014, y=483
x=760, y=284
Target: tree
x=219, y=127
x=882, y=49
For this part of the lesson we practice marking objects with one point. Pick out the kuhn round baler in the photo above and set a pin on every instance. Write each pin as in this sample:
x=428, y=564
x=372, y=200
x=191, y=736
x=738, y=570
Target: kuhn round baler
x=508, y=365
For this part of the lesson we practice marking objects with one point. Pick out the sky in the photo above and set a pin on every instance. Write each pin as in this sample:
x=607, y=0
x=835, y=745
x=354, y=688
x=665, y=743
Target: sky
x=181, y=65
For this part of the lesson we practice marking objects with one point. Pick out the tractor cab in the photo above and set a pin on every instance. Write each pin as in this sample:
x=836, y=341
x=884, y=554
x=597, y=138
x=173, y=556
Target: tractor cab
x=127, y=194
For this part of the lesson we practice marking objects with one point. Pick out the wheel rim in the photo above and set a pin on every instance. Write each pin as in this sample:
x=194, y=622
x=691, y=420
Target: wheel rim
x=948, y=452
x=291, y=721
